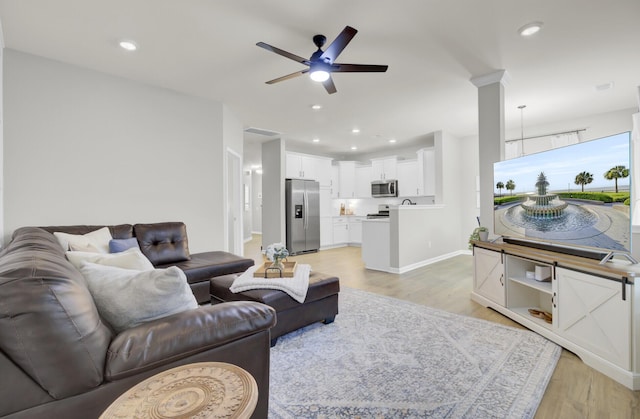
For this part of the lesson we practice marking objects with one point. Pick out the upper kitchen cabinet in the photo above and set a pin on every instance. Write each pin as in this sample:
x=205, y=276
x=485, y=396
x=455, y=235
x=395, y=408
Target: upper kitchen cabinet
x=426, y=172
x=335, y=181
x=304, y=166
x=363, y=182
x=347, y=174
x=384, y=168
x=408, y=184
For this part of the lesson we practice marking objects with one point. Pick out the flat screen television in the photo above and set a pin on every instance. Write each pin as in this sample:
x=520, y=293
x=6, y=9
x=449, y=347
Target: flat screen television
x=570, y=199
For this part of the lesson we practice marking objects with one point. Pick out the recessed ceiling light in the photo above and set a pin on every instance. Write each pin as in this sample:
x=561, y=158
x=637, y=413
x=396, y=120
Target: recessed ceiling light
x=392, y=140
x=316, y=107
x=128, y=45
x=530, y=28
x=316, y=140
x=354, y=147
x=355, y=130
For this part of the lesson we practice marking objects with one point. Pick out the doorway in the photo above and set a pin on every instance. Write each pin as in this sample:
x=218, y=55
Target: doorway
x=234, y=203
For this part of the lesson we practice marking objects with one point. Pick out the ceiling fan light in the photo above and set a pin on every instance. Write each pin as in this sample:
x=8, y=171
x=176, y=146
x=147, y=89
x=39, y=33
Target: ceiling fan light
x=128, y=45
x=319, y=75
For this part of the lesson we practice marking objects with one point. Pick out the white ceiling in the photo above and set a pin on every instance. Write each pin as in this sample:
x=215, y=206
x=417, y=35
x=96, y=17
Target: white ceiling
x=433, y=48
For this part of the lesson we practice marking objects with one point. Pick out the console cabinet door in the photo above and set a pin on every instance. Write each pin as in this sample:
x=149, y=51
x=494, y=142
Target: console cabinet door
x=488, y=275
x=593, y=315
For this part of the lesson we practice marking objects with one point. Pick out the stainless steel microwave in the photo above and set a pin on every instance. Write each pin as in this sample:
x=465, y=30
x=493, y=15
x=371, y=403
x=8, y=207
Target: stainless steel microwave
x=384, y=188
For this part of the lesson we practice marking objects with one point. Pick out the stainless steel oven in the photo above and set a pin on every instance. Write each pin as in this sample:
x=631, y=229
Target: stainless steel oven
x=384, y=188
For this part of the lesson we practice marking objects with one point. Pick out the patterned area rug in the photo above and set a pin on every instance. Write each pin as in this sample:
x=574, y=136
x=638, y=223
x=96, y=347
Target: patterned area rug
x=384, y=358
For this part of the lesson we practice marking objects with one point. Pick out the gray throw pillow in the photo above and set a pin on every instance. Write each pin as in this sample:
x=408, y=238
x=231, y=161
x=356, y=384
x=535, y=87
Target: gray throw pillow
x=127, y=298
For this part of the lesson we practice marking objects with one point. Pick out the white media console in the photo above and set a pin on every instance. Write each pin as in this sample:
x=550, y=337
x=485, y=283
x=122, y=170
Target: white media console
x=595, y=307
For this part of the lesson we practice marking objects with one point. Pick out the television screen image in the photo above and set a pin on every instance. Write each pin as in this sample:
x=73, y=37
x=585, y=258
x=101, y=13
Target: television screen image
x=575, y=196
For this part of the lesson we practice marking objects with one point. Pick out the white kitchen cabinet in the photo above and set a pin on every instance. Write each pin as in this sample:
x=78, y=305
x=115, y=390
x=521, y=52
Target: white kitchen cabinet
x=326, y=231
x=304, y=166
x=347, y=173
x=340, y=230
x=295, y=168
x=355, y=229
x=326, y=204
x=384, y=168
x=363, y=182
x=488, y=275
x=335, y=181
x=323, y=172
x=408, y=178
x=426, y=172
x=593, y=314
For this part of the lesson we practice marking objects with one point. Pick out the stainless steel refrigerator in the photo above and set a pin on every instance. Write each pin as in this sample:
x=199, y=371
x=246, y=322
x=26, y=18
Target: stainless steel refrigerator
x=302, y=199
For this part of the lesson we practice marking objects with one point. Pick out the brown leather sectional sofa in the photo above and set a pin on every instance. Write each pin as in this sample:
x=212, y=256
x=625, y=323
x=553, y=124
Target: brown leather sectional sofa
x=60, y=359
x=167, y=244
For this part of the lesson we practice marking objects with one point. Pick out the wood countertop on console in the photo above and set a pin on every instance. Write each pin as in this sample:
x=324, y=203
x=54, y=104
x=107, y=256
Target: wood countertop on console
x=614, y=269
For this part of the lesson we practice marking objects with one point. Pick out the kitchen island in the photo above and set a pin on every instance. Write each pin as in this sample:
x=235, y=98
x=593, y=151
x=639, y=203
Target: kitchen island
x=375, y=232
x=412, y=236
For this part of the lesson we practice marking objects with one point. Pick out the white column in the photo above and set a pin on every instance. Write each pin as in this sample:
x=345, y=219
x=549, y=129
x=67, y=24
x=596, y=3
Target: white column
x=635, y=183
x=273, y=209
x=491, y=135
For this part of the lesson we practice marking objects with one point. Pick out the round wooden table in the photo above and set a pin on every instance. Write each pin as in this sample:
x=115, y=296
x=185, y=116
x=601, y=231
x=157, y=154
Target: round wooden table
x=202, y=390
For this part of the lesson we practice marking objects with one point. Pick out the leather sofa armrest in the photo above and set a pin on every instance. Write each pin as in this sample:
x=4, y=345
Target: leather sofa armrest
x=166, y=340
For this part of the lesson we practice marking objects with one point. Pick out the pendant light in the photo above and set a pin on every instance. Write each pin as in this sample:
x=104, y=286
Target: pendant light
x=521, y=107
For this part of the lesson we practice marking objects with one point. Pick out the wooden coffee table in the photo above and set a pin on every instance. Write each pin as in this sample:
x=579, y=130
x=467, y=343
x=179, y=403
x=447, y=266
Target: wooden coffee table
x=205, y=389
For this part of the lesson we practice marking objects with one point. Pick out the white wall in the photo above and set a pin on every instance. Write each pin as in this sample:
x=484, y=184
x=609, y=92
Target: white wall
x=83, y=147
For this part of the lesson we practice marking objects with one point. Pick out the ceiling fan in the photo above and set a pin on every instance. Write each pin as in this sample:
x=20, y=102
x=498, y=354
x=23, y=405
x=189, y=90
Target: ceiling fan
x=322, y=63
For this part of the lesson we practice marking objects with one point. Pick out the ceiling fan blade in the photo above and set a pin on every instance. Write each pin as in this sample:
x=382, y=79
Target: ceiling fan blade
x=284, y=53
x=339, y=43
x=288, y=76
x=358, y=68
x=328, y=84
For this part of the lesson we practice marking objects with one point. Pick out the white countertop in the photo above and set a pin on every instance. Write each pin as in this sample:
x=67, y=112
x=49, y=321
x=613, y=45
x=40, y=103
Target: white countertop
x=415, y=207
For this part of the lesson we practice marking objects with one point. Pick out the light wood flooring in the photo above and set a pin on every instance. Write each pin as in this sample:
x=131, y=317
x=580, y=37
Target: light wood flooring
x=575, y=390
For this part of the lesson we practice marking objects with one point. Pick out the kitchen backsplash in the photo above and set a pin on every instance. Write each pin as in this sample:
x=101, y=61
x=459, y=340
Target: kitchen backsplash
x=366, y=206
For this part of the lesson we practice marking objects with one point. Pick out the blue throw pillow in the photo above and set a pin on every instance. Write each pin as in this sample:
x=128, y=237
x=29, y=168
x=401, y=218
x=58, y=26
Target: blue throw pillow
x=120, y=245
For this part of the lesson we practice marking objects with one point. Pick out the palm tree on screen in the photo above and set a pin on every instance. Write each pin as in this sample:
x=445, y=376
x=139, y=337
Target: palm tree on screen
x=583, y=178
x=615, y=173
x=500, y=185
x=511, y=185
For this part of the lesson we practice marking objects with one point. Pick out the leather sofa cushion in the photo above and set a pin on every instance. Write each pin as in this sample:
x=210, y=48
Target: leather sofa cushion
x=163, y=243
x=148, y=346
x=48, y=321
x=206, y=265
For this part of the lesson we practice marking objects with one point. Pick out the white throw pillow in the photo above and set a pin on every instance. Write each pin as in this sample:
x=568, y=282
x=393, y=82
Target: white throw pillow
x=129, y=259
x=95, y=241
x=127, y=298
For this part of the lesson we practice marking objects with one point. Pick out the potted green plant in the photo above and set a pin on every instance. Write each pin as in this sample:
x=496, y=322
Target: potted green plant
x=479, y=234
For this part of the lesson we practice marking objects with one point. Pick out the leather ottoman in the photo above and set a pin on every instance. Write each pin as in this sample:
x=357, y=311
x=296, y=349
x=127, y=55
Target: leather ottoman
x=321, y=303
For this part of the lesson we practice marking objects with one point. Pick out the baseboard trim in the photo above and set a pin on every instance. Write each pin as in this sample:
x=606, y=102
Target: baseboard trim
x=426, y=262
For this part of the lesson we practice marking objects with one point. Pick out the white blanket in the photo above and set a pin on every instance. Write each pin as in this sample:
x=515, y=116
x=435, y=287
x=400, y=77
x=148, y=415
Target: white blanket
x=296, y=287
